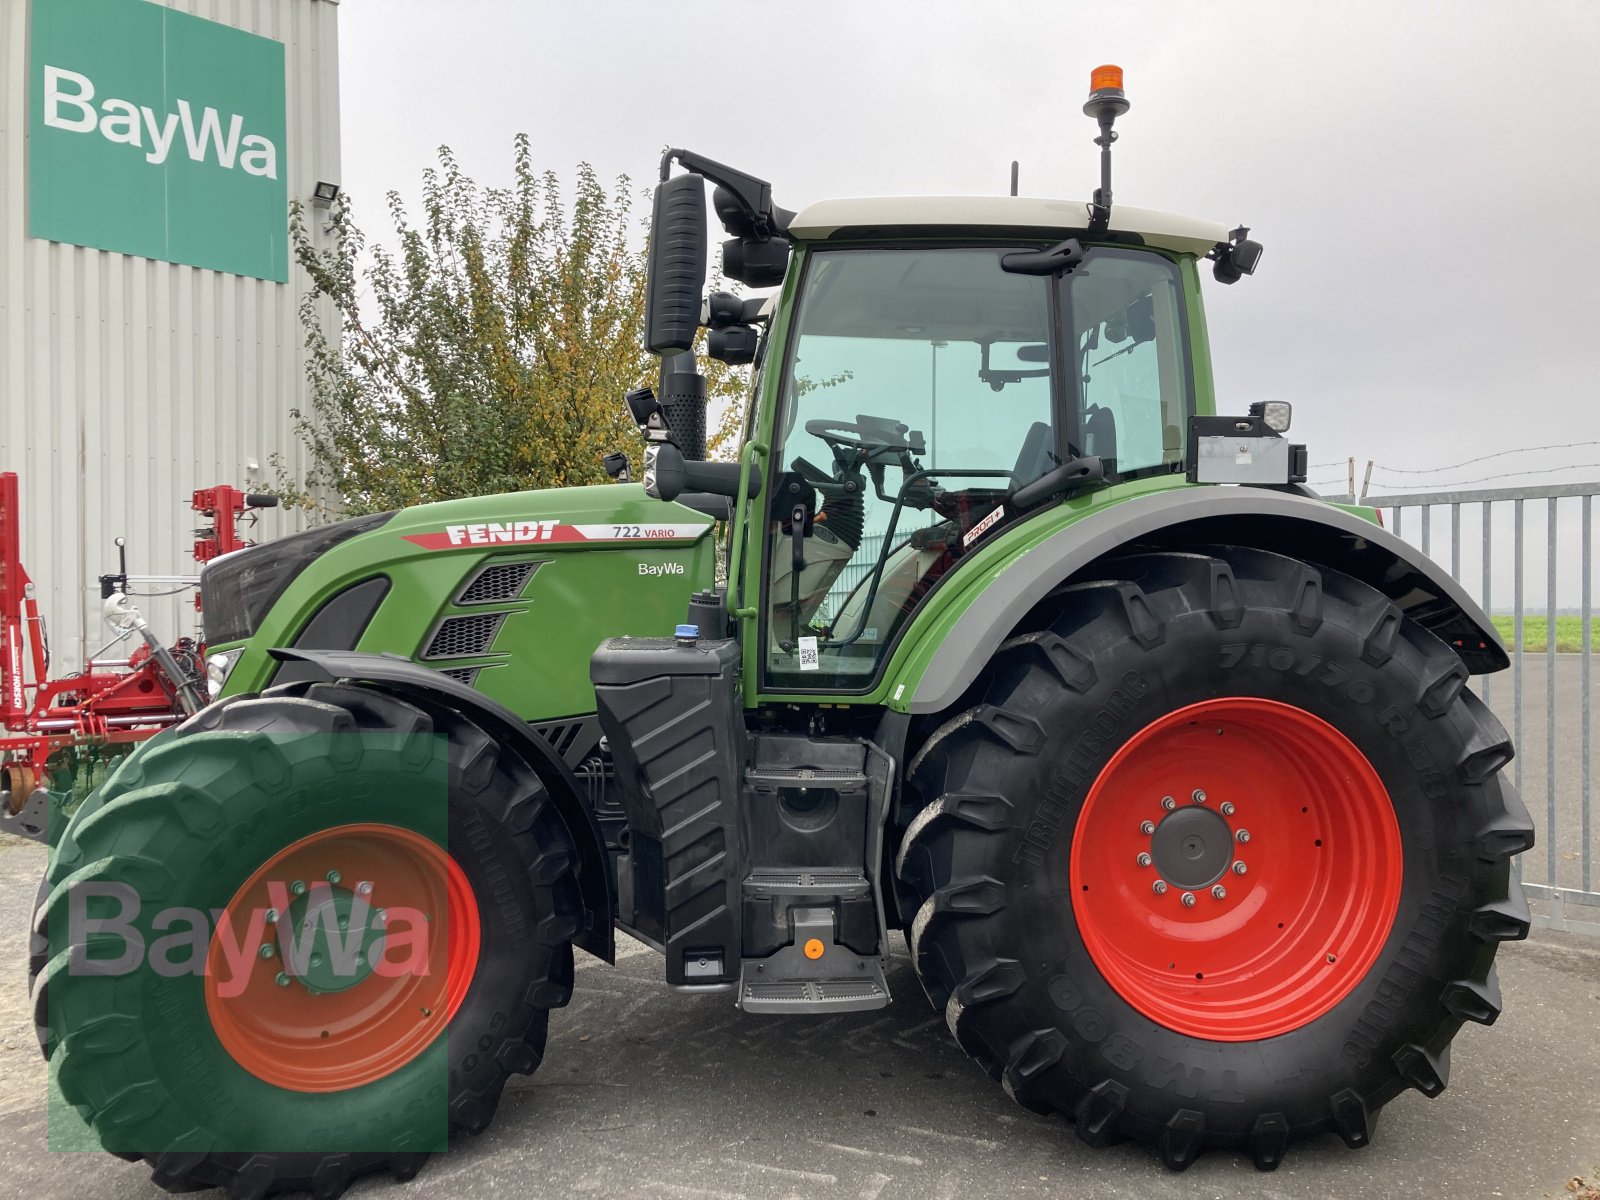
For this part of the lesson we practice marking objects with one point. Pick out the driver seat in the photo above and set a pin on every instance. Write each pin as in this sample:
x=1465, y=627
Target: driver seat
x=1100, y=432
x=1038, y=453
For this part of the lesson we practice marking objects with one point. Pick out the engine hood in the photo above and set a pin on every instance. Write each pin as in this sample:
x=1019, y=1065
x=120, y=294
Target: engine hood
x=508, y=593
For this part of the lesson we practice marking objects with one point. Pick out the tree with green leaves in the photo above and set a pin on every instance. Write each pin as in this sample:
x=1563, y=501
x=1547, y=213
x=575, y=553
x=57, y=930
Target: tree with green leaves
x=486, y=350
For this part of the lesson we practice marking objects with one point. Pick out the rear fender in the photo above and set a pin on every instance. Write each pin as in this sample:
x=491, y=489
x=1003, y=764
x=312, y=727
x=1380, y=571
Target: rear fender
x=1281, y=522
x=406, y=678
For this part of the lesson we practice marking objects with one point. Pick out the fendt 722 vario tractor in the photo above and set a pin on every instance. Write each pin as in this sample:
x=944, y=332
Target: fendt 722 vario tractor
x=1166, y=770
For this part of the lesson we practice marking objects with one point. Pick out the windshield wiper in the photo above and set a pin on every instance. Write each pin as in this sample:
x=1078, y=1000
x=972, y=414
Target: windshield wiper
x=1114, y=353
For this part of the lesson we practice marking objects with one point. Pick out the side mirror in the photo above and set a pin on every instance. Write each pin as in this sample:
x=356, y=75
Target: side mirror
x=677, y=264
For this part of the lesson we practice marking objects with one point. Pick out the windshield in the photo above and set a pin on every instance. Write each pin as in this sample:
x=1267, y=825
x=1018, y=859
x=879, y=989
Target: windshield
x=919, y=393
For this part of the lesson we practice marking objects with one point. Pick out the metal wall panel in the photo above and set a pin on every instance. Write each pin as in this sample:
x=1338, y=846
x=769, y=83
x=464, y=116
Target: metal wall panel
x=125, y=383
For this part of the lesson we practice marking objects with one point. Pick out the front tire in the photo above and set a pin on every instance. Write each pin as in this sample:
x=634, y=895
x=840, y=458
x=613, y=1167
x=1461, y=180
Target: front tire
x=1224, y=1008
x=308, y=1082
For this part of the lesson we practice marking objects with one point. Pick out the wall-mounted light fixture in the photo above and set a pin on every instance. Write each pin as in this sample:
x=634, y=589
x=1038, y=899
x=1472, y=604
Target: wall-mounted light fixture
x=325, y=194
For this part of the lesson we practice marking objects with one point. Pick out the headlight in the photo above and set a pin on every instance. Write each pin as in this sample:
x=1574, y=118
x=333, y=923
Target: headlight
x=217, y=668
x=238, y=589
x=1275, y=414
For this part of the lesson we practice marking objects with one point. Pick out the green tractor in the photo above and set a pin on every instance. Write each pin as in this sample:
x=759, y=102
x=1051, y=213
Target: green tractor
x=1166, y=770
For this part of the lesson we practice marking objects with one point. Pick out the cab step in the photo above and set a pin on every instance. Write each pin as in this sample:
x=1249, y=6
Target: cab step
x=814, y=974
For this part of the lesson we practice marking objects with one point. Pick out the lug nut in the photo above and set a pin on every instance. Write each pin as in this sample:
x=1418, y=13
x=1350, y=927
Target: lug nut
x=1168, y=803
x=283, y=979
x=1219, y=892
x=298, y=887
x=266, y=950
x=1227, y=808
x=1159, y=887
x=381, y=917
x=1199, y=796
x=1239, y=868
x=1242, y=836
x=1188, y=899
x=1144, y=859
x=1147, y=827
x=364, y=888
x=272, y=916
x=333, y=877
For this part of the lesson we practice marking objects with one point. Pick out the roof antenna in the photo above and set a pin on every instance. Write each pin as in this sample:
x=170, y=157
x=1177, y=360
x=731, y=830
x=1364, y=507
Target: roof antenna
x=1105, y=104
x=1013, y=177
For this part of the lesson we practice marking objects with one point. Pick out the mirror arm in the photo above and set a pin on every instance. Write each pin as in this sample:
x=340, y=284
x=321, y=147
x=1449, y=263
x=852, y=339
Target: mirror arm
x=668, y=475
x=1070, y=474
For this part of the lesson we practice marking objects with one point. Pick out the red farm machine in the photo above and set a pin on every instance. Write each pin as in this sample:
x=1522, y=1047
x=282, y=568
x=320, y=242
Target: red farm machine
x=59, y=736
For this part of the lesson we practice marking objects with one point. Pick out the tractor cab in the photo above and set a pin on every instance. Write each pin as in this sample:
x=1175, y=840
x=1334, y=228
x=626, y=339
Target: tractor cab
x=933, y=371
x=923, y=387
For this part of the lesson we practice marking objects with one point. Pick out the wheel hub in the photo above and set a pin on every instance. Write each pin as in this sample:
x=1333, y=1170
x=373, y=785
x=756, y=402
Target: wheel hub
x=330, y=939
x=1192, y=847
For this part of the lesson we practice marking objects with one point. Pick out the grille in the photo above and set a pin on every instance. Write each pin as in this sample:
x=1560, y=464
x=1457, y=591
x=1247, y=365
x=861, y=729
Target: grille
x=497, y=582
x=463, y=637
x=573, y=740
x=466, y=675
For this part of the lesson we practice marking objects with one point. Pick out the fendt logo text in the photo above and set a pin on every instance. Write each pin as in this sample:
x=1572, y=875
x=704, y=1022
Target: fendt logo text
x=69, y=104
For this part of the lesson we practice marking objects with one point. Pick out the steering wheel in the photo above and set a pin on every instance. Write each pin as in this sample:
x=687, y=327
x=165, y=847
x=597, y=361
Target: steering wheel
x=872, y=435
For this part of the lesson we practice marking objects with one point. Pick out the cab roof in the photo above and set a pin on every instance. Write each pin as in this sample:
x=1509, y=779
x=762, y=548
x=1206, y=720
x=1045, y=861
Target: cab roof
x=860, y=217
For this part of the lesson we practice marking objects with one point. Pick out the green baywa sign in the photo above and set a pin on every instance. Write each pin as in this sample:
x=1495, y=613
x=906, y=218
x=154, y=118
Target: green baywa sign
x=156, y=133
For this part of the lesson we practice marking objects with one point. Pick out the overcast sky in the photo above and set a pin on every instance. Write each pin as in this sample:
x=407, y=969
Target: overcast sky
x=1425, y=177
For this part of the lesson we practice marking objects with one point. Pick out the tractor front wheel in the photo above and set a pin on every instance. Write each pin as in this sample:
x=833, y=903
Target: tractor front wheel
x=304, y=937
x=1218, y=858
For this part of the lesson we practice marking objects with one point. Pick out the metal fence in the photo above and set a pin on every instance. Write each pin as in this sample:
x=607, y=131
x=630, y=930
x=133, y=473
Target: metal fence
x=1547, y=699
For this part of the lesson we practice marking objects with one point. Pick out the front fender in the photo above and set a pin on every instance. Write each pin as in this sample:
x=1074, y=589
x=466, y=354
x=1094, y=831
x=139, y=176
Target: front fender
x=1281, y=522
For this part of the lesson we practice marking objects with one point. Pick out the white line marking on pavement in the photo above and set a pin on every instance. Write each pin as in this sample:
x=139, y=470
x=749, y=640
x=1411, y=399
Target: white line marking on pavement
x=907, y=1159
x=874, y=1186
x=681, y=1190
x=956, y=1138
x=808, y=1176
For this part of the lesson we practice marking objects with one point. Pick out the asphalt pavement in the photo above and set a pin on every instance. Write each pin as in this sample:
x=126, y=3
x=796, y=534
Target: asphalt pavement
x=648, y=1094
x=645, y=1093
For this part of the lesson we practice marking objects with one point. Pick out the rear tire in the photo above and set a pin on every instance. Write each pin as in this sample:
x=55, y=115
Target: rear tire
x=186, y=821
x=1010, y=943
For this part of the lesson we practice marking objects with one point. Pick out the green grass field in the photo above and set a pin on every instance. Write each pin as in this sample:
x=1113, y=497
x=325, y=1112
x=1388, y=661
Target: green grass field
x=1535, y=633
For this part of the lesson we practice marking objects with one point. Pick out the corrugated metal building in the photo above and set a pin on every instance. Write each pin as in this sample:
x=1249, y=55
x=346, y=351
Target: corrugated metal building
x=128, y=382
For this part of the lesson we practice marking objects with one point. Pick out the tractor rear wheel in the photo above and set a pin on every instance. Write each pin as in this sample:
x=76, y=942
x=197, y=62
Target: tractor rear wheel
x=397, y=901
x=1219, y=857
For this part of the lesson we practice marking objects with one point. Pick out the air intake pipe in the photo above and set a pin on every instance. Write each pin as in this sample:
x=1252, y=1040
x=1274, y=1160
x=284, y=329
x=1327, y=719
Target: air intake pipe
x=683, y=404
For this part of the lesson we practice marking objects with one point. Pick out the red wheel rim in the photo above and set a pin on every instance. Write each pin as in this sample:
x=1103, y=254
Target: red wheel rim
x=306, y=1040
x=1201, y=790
